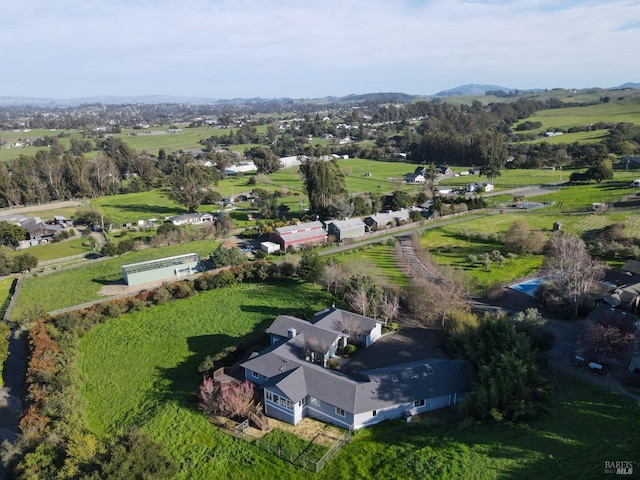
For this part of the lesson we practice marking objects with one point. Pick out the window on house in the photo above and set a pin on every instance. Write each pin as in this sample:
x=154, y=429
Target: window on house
x=315, y=401
x=340, y=412
x=275, y=398
x=255, y=374
x=301, y=402
x=269, y=395
x=394, y=377
x=374, y=413
x=283, y=402
x=419, y=403
x=289, y=404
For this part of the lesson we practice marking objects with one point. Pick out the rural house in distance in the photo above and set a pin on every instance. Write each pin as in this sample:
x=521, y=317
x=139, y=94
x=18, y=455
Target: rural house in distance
x=296, y=382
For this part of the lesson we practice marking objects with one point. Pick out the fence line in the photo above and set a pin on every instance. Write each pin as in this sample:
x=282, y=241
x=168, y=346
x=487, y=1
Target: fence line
x=240, y=431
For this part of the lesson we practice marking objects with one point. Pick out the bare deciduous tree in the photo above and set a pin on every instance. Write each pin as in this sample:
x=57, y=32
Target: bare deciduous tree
x=349, y=325
x=333, y=275
x=359, y=300
x=431, y=301
x=571, y=270
x=389, y=307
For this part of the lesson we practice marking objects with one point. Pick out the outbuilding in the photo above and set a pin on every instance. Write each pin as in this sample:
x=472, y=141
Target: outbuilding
x=161, y=269
x=343, y=229
x=269, y=247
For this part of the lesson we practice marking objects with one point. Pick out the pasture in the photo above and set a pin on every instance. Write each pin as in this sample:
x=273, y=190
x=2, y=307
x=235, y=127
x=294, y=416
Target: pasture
x=141, y=369
x=615, y=111
x=53, y=251
x=376, y=260
x=77, y=285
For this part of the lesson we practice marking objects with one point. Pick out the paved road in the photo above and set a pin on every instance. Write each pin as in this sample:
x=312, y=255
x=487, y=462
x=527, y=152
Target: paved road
x=12, y=391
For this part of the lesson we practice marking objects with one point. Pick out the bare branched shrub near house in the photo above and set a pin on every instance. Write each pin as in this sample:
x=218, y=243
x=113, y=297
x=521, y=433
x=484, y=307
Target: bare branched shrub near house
x=430, y=301
x=359, y=300
x=208, y=396
x=236, y=400
x=315, y=349
x=389, y=307
x=349, y=325
x=573, y=274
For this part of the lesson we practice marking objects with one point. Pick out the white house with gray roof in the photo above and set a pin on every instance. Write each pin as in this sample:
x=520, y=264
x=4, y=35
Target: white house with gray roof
x=296, y=383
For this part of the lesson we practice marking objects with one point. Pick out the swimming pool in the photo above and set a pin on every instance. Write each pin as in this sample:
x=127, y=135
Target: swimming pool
x=529, y=287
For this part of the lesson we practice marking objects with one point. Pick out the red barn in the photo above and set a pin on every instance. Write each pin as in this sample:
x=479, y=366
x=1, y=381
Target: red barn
x=298, y=235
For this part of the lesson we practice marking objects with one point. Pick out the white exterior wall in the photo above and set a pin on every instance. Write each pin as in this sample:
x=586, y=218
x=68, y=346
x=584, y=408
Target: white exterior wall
x=375, y=334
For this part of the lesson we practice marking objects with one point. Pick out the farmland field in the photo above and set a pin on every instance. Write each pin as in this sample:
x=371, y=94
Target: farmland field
x=375, y=260
x=74, y=286
x=141, y=369
x=55, y=250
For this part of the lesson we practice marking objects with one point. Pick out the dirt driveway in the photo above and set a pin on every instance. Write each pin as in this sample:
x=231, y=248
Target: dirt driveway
x=39, y=208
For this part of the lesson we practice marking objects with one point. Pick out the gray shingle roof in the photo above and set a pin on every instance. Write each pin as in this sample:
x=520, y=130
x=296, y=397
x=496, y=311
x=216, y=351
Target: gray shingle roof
x=321, y=334
x=407, y=382
x=336, y=319
x=287, y=369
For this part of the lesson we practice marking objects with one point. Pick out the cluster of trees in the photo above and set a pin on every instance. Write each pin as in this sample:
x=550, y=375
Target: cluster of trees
x=510, y=386
x=17, y=264
x=609, y=341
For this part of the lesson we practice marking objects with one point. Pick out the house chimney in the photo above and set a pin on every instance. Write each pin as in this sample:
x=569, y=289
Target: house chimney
x=291, y=332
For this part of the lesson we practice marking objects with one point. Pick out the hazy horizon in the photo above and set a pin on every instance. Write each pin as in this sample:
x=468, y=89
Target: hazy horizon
x=277, y=48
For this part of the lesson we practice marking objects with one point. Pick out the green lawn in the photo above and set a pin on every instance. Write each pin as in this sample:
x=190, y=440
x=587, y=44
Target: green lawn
x=74, y=286
x=378, y=256
x=141, y=369
x=131, y=207
x=52, y=251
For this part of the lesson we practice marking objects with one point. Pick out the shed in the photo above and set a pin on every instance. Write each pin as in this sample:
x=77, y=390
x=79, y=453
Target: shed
x=269, y=247
x=342, y=229
x=161, y=269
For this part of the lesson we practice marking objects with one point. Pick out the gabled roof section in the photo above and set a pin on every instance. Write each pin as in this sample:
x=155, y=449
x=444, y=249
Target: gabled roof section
x=408, y=382
x=302, y=227
x=345, y=224
x=319, y=334
x=631, y=266
x=292, y=384
x=336, y=319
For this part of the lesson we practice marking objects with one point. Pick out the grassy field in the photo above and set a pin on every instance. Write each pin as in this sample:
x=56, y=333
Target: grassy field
x=74, y=286
x=141, y=369
x=131, y=207
x=452, y=244
x=613, y=112
x=54, y=251
x=450, y=247
x=578, y=198
x=377, y=259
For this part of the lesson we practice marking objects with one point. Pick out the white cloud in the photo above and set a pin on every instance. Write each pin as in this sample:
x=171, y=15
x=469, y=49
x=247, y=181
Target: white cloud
x=309, y=48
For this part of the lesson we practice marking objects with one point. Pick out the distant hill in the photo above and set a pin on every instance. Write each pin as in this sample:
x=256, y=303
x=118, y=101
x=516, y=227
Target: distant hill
x=472, y=89
x=628, y=85
x=381, y=97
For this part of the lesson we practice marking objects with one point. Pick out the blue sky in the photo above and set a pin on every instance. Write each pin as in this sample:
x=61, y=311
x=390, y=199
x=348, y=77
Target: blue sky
x=308, y=48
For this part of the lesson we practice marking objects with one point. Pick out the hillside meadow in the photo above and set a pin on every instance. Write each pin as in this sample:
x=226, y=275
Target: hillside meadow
x=141, y=369
x=77, y=285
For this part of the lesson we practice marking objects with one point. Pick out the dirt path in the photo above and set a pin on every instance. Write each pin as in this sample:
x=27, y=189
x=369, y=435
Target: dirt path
x=39, y=208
